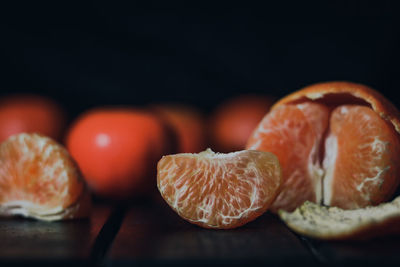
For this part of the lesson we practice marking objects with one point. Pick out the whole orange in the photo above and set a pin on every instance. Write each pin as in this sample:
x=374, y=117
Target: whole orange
x=235, y=119
x=117, y=150
x=188, y=125
x=30, y=113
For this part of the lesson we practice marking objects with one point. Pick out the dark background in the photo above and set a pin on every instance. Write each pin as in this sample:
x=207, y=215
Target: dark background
x=107, y=53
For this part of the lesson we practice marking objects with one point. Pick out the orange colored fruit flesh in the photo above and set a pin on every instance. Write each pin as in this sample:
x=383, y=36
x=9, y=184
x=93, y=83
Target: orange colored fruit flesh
x=294, y=134
x=219, y=191
x=330, y=152
x=367, y=153
x=38, y=179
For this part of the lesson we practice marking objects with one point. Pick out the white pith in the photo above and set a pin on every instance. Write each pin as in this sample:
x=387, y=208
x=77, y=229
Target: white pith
x=328, y=165
x=378, y=148
x=31, y=210
x=378, y=178
x=208, y=153
x=316, y=173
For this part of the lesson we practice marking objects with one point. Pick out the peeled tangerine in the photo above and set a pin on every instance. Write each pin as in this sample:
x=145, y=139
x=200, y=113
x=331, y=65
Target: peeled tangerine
x=220, y=191
x=38, y=179
x=337, y=143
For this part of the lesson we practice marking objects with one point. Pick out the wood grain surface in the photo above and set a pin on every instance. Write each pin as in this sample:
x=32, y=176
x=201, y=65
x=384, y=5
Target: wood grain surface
x=156, y=235
x=29, y=242
x=148, y=234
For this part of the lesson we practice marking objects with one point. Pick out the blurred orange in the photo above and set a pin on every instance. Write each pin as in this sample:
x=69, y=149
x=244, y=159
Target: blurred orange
x=188, y=125
x=235, y=119
x=117, y=150
x=30, y=113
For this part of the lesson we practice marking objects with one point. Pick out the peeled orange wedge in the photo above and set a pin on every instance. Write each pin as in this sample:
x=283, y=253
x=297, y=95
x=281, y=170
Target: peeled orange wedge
x=219, y=191
x=38, y=179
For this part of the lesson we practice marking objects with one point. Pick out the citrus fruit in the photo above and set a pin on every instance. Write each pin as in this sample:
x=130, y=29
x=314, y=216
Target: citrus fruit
x=188, y=125
x=332, y=223
x=38, y=179
x=337, y=145
x=233, y=121
x=221, y=191
x=30, y=114
x=294, y=134
x=117, y=150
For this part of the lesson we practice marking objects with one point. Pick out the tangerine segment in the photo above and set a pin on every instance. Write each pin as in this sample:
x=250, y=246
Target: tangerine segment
x=361, y=158
x=294, y=134
x=219, y=191
x=39, y=179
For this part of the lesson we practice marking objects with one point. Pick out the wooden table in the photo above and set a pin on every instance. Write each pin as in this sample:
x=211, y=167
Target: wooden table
x=28, y=242
x=147, y=234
